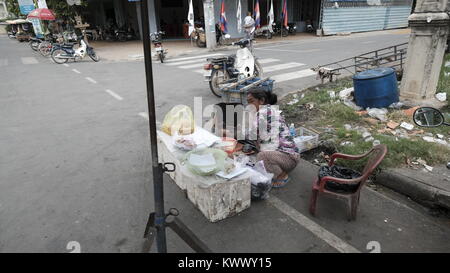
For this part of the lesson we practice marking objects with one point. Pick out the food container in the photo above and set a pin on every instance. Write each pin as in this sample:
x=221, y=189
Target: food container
x=306, y=139
x=227, y=145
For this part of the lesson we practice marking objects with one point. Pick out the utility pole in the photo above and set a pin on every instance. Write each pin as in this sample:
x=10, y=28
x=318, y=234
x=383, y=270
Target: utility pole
x=429, y=24
x=210, y=23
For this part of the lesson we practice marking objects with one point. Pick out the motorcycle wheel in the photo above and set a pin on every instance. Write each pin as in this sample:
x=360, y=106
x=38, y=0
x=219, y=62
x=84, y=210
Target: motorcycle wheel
x=284, y=32
x=34, y=45
x=217, y=77
x=200, y=43
x=269, y=35
x=57, y=59
x=161, y=57
x=93, y=55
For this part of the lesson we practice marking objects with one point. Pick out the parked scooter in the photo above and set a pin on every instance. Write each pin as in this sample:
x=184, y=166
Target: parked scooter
x=292, y=28
x=156, y=38
x=63, y=53
x=279, y=28
x=34, y=43
x=429, y=117
x=242, y=65
x=264, y=31
x=221, y=37
x=309, y=26
x=124, y=35
x=199, y=36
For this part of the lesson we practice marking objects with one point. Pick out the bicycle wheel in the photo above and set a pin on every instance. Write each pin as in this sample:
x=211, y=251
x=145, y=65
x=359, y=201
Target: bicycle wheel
x=45, y=49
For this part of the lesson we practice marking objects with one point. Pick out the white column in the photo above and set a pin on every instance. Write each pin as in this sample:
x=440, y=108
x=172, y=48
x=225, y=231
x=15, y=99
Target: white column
x=210, y=26
x=429, y=29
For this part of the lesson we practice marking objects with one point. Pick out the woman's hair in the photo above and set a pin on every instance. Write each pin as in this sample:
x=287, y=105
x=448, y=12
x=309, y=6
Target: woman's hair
x=261, y=94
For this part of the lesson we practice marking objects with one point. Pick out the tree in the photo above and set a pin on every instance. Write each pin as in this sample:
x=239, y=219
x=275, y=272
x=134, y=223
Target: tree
x=13, y=7
x=64, y=10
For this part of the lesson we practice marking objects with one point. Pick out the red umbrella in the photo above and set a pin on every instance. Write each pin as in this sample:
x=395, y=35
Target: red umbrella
x=42, y=14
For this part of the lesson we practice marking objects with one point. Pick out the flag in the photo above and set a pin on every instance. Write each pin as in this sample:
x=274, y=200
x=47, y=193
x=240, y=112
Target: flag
x=257, y=15
x=191, y=18
x=239, y=18
x=284, y=14
x=223, y=18
x=271, y=16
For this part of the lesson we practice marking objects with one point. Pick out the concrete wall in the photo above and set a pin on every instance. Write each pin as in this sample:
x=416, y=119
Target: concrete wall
x=3, y=10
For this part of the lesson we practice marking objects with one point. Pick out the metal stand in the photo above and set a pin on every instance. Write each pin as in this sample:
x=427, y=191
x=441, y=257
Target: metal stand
x=158, y=220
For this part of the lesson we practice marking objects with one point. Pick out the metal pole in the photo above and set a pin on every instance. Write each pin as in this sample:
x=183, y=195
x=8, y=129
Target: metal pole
x=156, y=167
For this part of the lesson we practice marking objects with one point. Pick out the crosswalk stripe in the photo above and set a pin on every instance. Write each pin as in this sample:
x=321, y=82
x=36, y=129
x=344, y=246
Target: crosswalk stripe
x=293, y=75
x=200, y=71
x=190, y=58
x=3, y=62
x=191, y=66
x=29, y=60
x=281, y=67
x=268, y=60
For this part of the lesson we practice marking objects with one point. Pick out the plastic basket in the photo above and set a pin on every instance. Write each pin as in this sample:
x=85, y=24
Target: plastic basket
x=306, y=139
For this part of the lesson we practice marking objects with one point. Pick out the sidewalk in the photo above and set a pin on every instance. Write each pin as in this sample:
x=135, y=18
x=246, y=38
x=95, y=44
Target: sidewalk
x=282, y=223
x=132, y=50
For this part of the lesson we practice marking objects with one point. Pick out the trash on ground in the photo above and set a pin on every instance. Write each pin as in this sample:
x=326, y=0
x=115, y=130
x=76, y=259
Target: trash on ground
x=447, y=64
x=346, y=93
x=369, y=139
x=347, y=143
x=292, y=102
x=378, y=113
x=441, y=96
x=361, y=113
x=410, y=112
x=440, y=136
x=392, y=125
x=351, y=104
x=261, y=181
x=332, y=94
x=371, y=121
x=366, y=134
x=347, y=127
x=428, y=168
x=428, y=139
x=376, y=142
x=407, y=126
x=396, y=105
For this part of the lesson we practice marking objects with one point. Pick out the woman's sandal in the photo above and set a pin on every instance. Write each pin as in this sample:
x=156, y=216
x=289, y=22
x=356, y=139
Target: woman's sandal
x=279, y=183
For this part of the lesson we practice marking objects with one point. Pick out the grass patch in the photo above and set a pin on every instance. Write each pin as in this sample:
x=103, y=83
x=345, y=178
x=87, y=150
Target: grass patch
x=330, y=113
x=444, y=80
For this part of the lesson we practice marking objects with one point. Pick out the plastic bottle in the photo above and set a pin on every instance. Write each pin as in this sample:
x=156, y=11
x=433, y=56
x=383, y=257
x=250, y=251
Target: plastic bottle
x=292, y=130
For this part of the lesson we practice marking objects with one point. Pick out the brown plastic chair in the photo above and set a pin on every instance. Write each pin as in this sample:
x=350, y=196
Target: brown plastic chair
x=375, y=156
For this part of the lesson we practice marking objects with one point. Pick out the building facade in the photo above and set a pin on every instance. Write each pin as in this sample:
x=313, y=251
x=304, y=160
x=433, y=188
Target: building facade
x=3, y=10
x=330, y=16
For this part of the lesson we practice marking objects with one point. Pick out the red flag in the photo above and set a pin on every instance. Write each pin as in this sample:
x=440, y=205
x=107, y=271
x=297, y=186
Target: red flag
x=285, y=14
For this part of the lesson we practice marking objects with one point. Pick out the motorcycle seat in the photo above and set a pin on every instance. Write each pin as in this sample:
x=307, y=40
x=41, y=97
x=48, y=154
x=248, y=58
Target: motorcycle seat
x=220, y=59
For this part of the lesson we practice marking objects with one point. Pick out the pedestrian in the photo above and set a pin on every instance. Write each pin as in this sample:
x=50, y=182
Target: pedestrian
x=249, y=25
x=276, y=145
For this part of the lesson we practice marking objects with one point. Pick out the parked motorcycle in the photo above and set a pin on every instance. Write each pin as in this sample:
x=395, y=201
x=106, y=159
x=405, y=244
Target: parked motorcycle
x=124, y=35
x=264, y=31
x=221, y=37
x=199, y=36
x=222, y=69
x=64, y=52
x=156, y=38
x=292, y=28
x=279, y=28
x=309, y=26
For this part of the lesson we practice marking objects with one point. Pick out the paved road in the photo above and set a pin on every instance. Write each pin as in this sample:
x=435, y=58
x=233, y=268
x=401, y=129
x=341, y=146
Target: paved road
x=75, y=162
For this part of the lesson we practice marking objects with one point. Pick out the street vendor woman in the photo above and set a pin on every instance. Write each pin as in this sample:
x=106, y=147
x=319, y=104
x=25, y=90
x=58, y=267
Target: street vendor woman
x=275, y=144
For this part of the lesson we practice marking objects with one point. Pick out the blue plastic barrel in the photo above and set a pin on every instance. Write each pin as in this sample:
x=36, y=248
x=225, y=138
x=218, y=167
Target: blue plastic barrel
x=376, y=88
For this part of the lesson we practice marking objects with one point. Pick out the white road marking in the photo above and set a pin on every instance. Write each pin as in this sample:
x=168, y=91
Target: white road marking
x=191, y=66
x=29, y=60
x=200, y=71
x=66, y=65
x=293, y=75
x=91, y=80
x=144, y=115
x=368, y=42
x=112, y=93
x=268, y=60
x=294, y=51
x=190, y=58
x=76, y=71
x=3, y=62
x=281, y=67
x=331, y=239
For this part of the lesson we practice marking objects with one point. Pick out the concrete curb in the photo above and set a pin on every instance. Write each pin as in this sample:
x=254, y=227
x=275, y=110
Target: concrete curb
x=417, y=190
